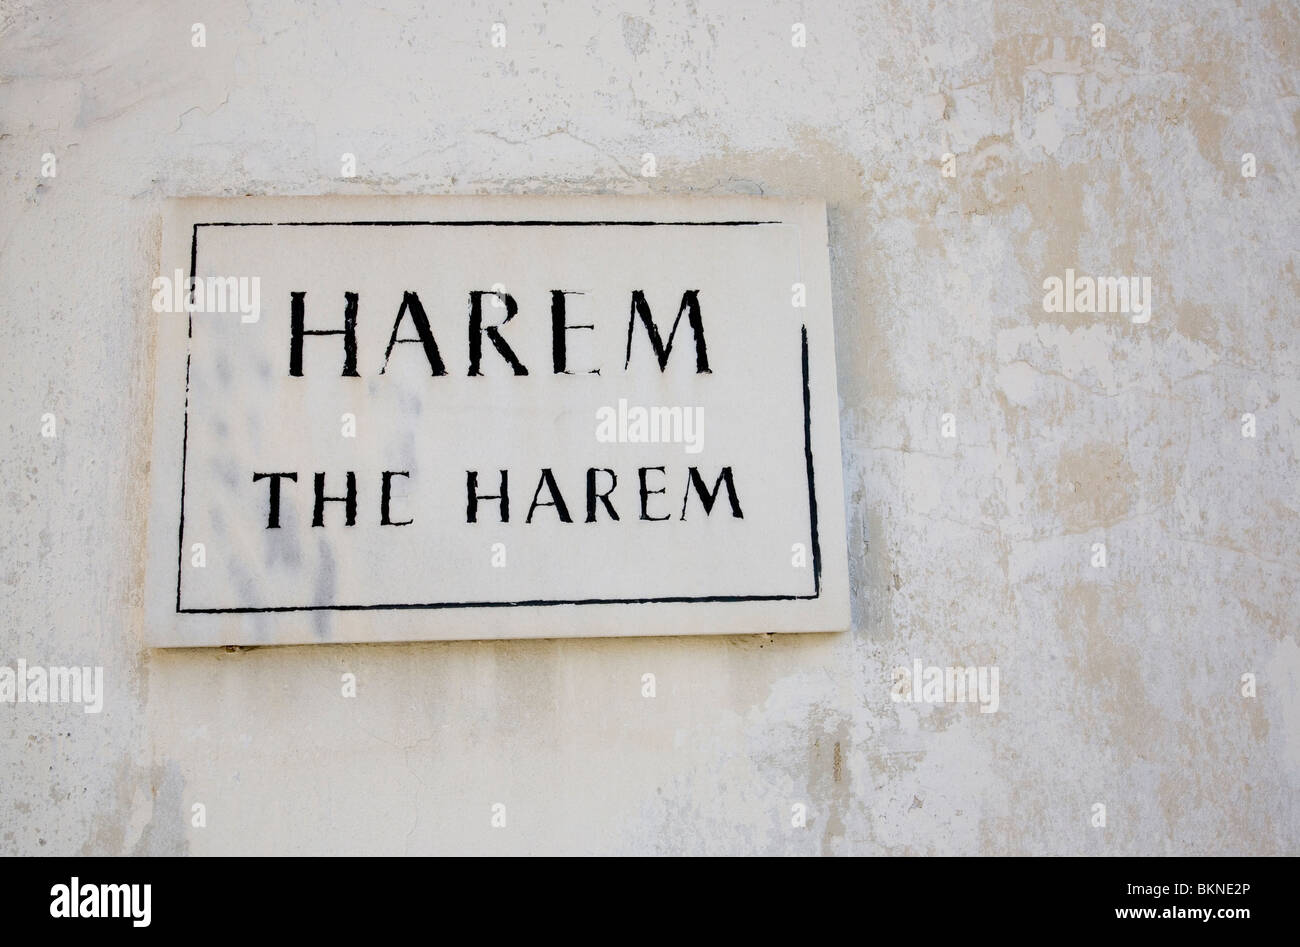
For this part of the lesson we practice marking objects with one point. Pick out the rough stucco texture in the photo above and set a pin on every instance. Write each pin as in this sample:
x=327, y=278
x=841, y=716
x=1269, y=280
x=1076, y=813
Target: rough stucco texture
x=1119, y=685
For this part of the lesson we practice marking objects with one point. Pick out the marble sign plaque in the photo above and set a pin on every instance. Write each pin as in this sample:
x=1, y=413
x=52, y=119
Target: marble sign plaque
x=388, y=419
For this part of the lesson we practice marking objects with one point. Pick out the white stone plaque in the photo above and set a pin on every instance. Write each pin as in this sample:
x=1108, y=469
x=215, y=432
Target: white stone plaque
x=381, y=419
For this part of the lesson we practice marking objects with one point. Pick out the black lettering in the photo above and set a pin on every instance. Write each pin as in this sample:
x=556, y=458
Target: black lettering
x=385, y=495
x=690, y=306
x=297, y=331
x=558, y=328
x=477, y=330
x=349, y=502
x=471, y=487
x=548, y=480
x=593, y=496
x=273, y=517
x=645, y=494
x=709, y=498
x=411, y=303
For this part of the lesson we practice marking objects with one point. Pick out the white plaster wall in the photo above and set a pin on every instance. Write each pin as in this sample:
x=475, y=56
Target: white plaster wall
x=1118, y=686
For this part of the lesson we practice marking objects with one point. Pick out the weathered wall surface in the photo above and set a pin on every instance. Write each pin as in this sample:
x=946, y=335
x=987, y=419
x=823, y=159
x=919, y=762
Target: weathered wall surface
x=1119, y=685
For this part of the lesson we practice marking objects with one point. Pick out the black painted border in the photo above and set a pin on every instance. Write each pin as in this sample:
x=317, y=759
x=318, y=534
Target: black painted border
x=807, y=427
